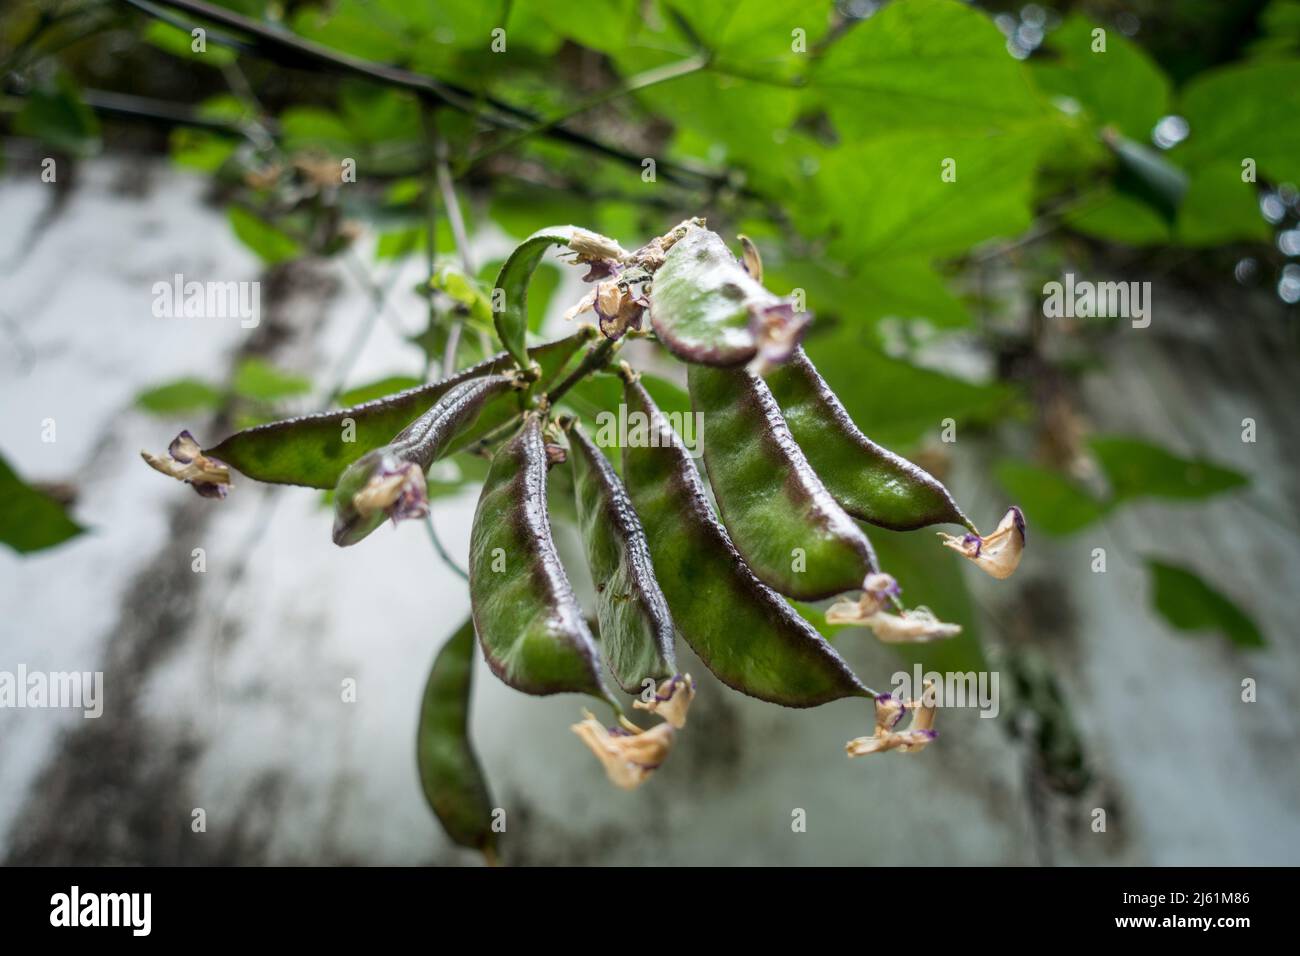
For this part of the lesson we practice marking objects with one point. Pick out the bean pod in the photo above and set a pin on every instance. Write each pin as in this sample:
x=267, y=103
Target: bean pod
x=704, y=304
x=780, y=516
x=450, y=774
x=636, y=628
x=314, y=450
x=869, y=482
x=741, y=629
x=528, y=621
x=419, y=444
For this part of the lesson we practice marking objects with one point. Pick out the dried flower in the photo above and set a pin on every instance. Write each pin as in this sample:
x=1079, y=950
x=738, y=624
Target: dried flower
x=672, y=700
x=377, y=485
x=997, y=554
x=628, y=757
x=186, y=462
x=592, y=246
x=778, y=329
x=889, y=711
x=917, y=625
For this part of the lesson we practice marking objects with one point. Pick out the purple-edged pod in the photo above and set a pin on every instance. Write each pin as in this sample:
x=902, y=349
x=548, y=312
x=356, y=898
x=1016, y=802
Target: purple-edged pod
x=869, y=482
x=450, y=773
x=389, y=482
x=707, y=309
x=313, y=450
x=636, y=627
x=529, y=623
x=741, y=629
x=783, y=521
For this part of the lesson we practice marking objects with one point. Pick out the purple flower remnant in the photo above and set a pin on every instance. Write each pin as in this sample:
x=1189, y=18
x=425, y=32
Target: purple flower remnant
x=777, y=329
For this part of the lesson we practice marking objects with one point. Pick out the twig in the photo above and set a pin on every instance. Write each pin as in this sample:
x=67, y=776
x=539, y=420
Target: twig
x=447, y=559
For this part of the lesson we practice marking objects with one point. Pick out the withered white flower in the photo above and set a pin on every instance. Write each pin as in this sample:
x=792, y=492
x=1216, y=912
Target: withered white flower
x=186, y=462
x=591, y=246
x=907, y=626
x=915, y=626
x=997, y=554
x=672, y=700
x=628, y=758
x=400, y=493
x=889, y=711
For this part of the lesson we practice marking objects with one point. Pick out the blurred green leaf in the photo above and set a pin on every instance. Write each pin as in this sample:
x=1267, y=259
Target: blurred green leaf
x=925, y=64
x=1138, y=469
x=894, y=402
x=1118, y=218
x=372, y=390
x=1188, y=603
x=258, y=380
x=1122, y=87
x=1220, y=208
x=55, y=114
x=200, y=149
x=1050, y=501
x=179, y=43
x=29, y=519
x=271, y=245
x=1245, y=111
x=182, y=395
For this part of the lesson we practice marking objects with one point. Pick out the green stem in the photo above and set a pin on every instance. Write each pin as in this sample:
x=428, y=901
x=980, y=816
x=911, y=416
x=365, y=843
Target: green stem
x=593, y=361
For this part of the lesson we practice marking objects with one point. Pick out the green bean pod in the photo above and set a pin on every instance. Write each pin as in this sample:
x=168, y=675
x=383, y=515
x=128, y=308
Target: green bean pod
x=450, y=773
x=636, y=628
x=780, y=516
x=743, y=631
x=533, y=632
x=869, y=482
x=704, y=306
x=419, y=444
x=314, y=450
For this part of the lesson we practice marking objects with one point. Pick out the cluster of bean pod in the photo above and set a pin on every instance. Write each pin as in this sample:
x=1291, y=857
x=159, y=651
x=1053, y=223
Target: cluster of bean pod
x=790, y=472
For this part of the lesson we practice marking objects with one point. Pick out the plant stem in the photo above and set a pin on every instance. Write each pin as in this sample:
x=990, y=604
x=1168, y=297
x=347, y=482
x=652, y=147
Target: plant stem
x=288, y=49
x=593, y=361
x=442, y=551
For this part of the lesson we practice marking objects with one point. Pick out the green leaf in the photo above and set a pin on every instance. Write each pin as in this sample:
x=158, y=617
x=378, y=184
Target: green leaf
x=1245, y=111
x=182, y=395
x=179, y=43
x=913, y=210
x=379, y=389
x=1188, y=603
x=602, y=25
x=55, y=114
x=924, y=64
x=1121, y=87
x=260, y=381
x=869, y=290
x=1051, y=501
x=1220, y=208
x=450, y=773
x=1119, y=218
x=29, y=519
x=894, y=402
x=1146, y=175
x=1138, y=469
x=200, y=149
x=271, y=245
